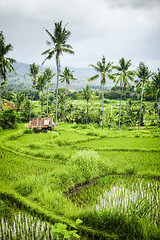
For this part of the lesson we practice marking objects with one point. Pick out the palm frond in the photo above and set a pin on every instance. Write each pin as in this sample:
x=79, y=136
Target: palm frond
x=66, y=50
x=95, y=67
x=67, y=46
x=93, y=78
x=51, y=36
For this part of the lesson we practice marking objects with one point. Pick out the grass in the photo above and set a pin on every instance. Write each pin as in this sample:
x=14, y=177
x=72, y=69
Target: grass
x=43, y=168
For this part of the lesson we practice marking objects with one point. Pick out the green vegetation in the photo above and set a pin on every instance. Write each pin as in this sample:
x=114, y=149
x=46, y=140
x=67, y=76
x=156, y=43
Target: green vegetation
x=107, y=180
x=68, y=173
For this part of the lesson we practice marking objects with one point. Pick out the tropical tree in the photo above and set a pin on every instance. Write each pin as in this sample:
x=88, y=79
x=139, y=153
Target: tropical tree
x=66, y=77
x=123, y=76
x=41, y=83
x=155, y=88
x=48, y=76
x=5, y=63
x=104, y=70
x=143, y=74
x=33, y=73
x=59, y=46
x=19, y=100
x=87, y=94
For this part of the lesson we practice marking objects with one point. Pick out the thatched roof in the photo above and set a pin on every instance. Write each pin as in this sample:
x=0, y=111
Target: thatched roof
x=41, y=123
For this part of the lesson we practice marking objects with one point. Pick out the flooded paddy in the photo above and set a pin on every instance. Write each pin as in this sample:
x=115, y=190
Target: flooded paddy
x=129, y=195
x=18, y=225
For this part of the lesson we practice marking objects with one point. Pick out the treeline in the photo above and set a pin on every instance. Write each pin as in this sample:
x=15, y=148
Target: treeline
x=75, y=112
x=137, y=84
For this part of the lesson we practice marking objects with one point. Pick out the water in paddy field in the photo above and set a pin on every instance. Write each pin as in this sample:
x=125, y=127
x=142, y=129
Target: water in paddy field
x=16, y=224
x=140, y=197
x=124, y=194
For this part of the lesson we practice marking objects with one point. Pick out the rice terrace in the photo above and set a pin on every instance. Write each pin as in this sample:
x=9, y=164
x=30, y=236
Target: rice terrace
x=109, y=179
x=82, y=163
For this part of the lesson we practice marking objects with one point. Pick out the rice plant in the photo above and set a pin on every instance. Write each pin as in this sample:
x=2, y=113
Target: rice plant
x=22, y=225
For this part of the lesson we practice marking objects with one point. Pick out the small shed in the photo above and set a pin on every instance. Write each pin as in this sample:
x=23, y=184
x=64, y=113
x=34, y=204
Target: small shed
x=39, y=124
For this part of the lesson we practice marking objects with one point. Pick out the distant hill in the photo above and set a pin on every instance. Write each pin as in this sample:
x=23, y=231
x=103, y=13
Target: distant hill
x=21, y=80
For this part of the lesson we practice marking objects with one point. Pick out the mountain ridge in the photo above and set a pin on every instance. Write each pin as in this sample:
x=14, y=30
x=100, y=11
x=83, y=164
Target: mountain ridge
x=22, y=80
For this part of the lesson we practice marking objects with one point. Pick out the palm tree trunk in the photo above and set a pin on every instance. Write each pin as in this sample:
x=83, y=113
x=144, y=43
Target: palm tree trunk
x=64, y=110
x=102, y=107
x=42, y=103
x=87, y=113
x=140, y=108
x=119, y=119
x=58, y=65
x=47, y=100
x=158, y=115
x=31, y=106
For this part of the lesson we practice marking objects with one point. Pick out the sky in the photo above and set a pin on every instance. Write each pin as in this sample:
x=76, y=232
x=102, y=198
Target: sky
x=113, y=28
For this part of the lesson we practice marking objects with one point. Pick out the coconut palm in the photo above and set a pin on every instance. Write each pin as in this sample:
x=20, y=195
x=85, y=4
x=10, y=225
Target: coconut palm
x=5, y=62
x=143, y=74
x=87, y=94
x=123, y=76
x=41, y=83
x=104, y=70
x=59, y=41
x=19, y=100
x=48, y=76
x=155, y=88
x=33, y=73
x=66, y=77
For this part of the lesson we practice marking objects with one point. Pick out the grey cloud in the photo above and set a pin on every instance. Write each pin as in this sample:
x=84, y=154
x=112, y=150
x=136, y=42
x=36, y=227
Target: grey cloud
x=134, y=3
x=128, y=29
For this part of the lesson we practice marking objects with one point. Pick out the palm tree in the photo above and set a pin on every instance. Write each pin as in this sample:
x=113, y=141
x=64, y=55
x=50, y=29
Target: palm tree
x=58, y=40
x=33, y=73
x=41, y=83
x=19, y=100
x=103, y=69
x=5, y=62
x=87, y=94
x=143, y=74
x=123, y=76
x=155, y=88
x=48, y=76
x=66, y=77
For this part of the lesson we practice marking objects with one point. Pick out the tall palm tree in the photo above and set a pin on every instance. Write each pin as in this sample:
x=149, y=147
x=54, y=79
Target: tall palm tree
x=123, y=76
x=5, y=62
x=104, y=70
x=48, y=76
x=33, y=73
x=155, y=88
x=143, y=74
x=59, y=41
x=41, y=83
x=19, y=100
x=66, y=77
x=87, y=94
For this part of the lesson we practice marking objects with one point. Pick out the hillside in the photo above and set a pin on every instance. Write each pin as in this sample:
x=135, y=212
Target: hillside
x=21, y=80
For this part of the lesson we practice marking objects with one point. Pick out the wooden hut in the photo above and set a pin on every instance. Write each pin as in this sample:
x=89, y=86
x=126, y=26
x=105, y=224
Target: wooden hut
x=40, y=124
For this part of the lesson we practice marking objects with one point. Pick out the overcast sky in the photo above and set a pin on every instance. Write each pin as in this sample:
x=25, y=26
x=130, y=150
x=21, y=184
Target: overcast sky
x=113, y=28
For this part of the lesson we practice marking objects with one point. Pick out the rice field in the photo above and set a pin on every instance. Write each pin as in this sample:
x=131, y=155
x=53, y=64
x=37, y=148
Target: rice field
x=108, y=179
x=19, y=224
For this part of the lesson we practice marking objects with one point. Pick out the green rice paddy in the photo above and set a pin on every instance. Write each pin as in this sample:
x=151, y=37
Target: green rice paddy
x=108, y=179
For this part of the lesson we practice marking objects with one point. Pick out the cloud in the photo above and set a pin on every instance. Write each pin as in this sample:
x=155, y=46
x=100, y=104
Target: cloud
x=134, y=3
x=115, y=29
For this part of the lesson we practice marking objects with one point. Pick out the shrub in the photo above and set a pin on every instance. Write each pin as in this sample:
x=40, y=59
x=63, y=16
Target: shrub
x=9, y=118
x=28, y=131
x=87, y=162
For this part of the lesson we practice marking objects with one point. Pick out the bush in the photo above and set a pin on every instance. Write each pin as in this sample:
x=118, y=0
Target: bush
x=9, y=119
x=87, y=163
